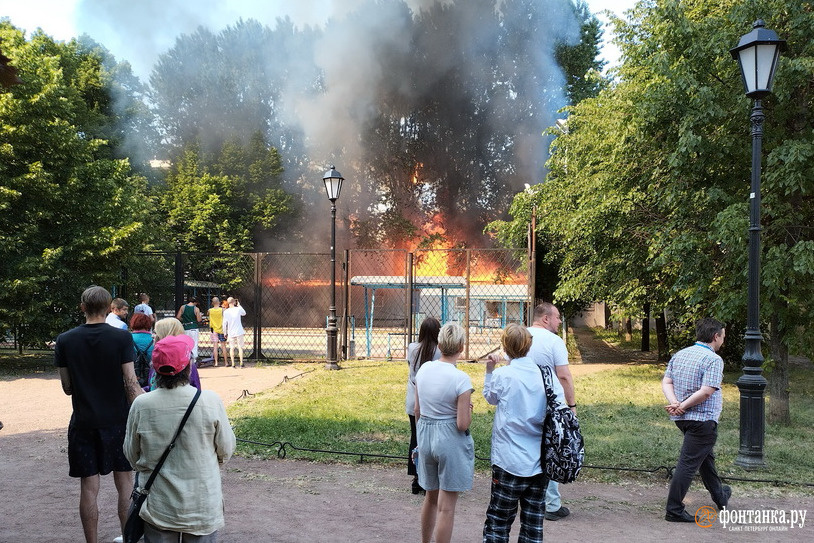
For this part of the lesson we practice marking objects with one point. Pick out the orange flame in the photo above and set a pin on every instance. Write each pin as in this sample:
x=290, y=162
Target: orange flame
x=287, y=282
x=416, y=173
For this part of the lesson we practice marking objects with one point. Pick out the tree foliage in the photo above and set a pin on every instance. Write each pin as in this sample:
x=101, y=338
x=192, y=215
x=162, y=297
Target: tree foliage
x=226, y=201
x=71, y=211
x=647, y=199
x=580, y=61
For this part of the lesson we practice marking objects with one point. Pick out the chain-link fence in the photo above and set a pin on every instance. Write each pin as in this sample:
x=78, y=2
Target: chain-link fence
x=382, y=297
x=391, y=292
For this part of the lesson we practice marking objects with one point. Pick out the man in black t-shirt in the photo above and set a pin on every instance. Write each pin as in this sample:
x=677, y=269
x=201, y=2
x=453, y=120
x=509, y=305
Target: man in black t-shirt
x=95, y=363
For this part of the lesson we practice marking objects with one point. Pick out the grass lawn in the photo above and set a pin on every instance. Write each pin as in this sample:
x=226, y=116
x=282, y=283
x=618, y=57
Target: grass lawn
x=13, y=364
x=360, y=409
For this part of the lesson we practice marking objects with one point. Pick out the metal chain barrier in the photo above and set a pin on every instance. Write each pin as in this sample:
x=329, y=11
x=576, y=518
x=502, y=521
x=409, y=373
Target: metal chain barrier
x=284, y=446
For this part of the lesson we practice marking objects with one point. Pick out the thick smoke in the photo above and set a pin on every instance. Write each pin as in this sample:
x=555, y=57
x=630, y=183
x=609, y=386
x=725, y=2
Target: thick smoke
x=381, y=60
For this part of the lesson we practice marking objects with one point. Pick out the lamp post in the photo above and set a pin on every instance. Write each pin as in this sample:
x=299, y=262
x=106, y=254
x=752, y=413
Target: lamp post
x=333, y=185
x=757, y=54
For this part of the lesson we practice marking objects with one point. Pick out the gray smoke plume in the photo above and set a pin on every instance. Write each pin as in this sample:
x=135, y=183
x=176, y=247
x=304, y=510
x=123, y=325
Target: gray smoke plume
x=485, y=73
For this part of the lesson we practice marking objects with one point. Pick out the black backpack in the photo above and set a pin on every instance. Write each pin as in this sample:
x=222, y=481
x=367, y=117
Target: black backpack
x=142, y=365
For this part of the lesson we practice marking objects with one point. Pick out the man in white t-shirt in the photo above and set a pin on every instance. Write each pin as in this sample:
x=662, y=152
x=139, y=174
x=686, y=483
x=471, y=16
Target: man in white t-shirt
x=548, y=350
x=233, y=329
x=118, y=314
x=144, y=306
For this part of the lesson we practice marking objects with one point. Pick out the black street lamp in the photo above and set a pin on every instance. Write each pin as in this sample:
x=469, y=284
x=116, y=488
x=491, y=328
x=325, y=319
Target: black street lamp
x=757, y=54
x=333, y=185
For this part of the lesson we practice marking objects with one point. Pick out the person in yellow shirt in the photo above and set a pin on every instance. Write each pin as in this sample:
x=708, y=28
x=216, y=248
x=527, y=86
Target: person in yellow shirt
x=215, y=315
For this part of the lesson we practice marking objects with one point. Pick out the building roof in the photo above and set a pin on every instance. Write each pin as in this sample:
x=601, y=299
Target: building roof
x=400, y=281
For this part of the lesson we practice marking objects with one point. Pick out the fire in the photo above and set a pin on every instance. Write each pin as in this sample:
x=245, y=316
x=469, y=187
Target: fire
x=277, y=282
x=431, y=254
x=436, y=255
x=433, y=263
x=416, y=173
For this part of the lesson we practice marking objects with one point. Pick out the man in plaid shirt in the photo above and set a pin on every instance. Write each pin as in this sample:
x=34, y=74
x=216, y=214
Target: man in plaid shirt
x=692, y=386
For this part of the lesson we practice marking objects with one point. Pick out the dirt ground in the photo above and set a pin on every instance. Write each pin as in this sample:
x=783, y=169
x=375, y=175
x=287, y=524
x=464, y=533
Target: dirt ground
x=297, y=501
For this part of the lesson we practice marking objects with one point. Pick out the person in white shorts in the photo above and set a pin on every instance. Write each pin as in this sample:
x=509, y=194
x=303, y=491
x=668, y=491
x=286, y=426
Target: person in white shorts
x=233, y=329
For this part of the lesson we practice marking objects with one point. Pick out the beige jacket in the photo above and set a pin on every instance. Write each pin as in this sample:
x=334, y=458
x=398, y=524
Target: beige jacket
x=186, y=496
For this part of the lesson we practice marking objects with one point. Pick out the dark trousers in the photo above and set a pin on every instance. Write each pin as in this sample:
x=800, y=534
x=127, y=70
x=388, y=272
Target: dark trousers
x=509, y=491
x=696, y=456
x=413, y=442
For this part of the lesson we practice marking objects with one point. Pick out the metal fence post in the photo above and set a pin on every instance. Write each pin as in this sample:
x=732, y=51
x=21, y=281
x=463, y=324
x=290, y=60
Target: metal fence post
x=532, y=264
x=124, y=277
x=466, y=305
x=179, y=281
x=257, y=343
x=409, y=297
x=345, y=303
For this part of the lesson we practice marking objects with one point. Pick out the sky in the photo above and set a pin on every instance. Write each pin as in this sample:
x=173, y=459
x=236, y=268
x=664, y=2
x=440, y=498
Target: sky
x=65, y=19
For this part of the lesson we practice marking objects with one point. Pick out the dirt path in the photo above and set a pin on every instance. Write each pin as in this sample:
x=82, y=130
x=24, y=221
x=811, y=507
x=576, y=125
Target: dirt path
x=298, y=501
x=593, y=350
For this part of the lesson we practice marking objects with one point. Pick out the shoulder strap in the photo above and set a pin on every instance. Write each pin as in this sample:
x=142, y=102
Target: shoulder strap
x=551, y=398
x=172, y=444
x=139, y=351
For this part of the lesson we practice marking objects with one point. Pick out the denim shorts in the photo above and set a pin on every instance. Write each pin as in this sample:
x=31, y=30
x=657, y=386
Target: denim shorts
x=446, y=456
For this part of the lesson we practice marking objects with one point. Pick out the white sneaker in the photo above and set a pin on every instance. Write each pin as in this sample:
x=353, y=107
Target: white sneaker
x=119, y=539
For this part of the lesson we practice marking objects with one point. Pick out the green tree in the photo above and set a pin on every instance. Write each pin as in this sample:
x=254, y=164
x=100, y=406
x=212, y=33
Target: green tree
x=71, y=213
x=648, y=192
x=227, y=201
x=581, y=62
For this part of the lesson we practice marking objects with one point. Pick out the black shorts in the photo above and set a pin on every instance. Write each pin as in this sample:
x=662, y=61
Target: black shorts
x=96, y=451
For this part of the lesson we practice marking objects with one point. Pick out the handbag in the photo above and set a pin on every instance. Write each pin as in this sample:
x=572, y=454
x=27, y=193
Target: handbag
x=134, y=527
x=562, y=448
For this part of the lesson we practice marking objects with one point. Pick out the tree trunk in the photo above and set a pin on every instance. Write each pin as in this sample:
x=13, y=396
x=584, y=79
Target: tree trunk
x=646, y=329
x=661, y=336
x=628, y=329
x=778, y=377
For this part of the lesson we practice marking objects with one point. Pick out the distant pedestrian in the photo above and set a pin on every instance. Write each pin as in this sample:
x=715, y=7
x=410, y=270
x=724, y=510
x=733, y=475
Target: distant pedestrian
x=446, y=452
x=185, y=502
x=143, y=345
x=548, y=351
x=692, y=386
x=144, y=307
x=95, y=363
x=215, y=315
x=518, y=478
x=190, y=316
x=424, y=350
x=233, y=329
x=117, y=318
